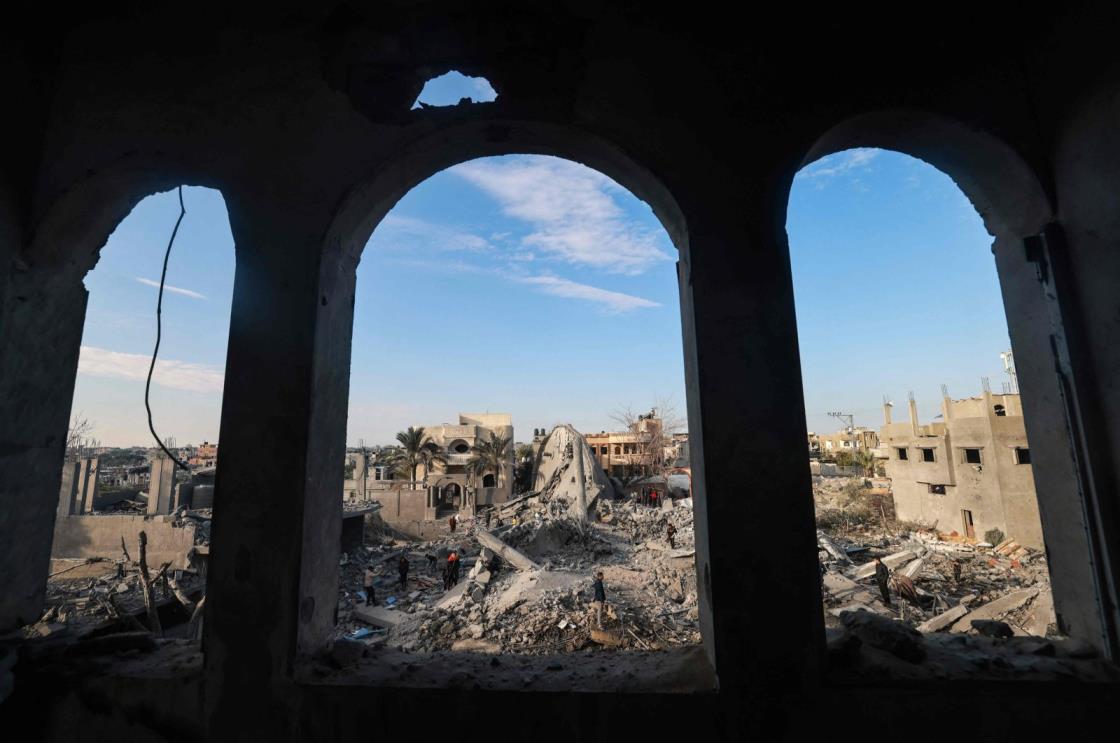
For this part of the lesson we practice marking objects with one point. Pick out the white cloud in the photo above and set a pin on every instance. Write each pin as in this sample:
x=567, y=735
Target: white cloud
x=179, y=375
x=173, y=289
x=408, y=232
x=613, y=301
x=571, y=209
x=839, y=164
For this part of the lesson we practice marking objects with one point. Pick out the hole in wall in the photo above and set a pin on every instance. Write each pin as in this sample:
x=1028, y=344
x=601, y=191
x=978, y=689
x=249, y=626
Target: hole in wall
x=453, y=89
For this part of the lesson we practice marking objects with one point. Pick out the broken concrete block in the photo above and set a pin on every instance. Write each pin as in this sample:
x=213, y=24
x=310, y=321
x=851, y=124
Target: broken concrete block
x=483, y=578
x=885, y=634
x=476, y=646
x=608, y=639
x=477, y=594
x=944, y=619
x=378, y=616
x=996, y=608
x=475, y=631
x=891, y=561
x=509, y=554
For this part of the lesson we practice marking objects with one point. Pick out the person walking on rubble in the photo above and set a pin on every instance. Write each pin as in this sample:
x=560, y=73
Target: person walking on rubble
x=670, y=533
x=451, y=572
x=402, y=569
x=600, y=598
x=367, y=584
x=494, y=566
x=451, y=524
x=882, y=577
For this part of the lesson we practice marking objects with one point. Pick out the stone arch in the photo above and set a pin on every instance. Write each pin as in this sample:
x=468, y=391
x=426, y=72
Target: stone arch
x=69, y=232
x=1003, y=188
x=489, y=481
x=370, y=200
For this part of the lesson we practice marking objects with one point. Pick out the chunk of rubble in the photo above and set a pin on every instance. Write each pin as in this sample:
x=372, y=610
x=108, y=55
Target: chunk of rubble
x=891, y=561
x=886, y=634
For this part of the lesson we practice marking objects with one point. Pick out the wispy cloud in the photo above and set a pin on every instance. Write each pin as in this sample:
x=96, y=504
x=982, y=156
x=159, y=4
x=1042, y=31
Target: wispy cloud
x=172, y=289
x=180, y=375
x=396, y=231
x=839, y=164
x=613, y=301
x=571, y=209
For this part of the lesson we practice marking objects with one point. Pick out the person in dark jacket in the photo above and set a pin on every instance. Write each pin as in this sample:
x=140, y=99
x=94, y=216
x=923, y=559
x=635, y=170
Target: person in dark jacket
x=367, y=584
x=670, y=534
x=600, y=598
x=882, y=578
x=402, y=569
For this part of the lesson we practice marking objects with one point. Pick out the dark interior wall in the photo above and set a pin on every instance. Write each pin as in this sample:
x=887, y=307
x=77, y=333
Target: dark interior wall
x=299, y=115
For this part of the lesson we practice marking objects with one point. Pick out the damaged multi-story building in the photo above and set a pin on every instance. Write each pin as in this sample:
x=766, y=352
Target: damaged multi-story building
x=967, y=473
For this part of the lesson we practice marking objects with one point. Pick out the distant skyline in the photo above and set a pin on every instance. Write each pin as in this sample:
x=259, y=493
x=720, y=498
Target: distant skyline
x=537, y=287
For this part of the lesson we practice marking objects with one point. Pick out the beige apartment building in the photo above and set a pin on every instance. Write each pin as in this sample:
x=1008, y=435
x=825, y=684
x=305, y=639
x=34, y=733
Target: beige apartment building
x=968, y=472
x=447, y=489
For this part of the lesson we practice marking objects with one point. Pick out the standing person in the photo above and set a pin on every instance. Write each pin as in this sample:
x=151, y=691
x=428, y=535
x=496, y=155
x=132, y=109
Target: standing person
x=402, y=569
x=367, y=584
x=600, y=598
x=455, y=569
x=882, y=577
x=431, y=562
x=670, y=533
x=451, y=524
x=451, y=572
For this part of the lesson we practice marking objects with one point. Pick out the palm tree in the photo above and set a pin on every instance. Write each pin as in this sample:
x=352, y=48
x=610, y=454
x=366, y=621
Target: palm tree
x=866, y=459
x=430, y=455
x=489, y=456
x=411, y=454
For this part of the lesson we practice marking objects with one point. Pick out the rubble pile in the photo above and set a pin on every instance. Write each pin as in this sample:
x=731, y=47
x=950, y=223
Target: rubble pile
x=938, y=583
x=539, y=600
x=95, y=595
x=567, y=473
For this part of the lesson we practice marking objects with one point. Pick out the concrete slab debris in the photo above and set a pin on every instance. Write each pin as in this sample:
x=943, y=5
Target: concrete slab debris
x=507, y=553
x=996, y=609
x=891, y=561
x=378, y=616
x=943, y=620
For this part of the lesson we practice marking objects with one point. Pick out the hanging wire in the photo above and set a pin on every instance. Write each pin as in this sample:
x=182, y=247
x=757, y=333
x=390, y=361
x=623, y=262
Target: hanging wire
x=159, y=333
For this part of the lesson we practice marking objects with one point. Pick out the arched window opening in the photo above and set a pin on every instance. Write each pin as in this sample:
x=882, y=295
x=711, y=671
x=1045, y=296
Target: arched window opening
x=472, y=281
x=901, y=328
x=123, y=500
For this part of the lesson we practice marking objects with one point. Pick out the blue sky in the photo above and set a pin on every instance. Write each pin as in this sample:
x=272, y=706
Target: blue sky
x=538, y=287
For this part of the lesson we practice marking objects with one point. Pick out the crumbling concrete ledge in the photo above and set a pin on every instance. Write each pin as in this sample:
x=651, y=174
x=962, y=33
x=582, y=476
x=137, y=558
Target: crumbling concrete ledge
x=509, y=554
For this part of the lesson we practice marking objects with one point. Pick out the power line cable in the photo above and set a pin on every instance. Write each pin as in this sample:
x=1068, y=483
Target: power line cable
x=159, y=334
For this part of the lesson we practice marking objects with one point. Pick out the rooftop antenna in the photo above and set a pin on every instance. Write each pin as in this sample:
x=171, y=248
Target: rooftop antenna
x=1008, y=359
x=845, y=417
x=986, y=384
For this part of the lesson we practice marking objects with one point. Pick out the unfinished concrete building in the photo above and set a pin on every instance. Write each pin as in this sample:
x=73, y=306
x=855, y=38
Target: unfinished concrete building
x=300, y=114
x=967, y=473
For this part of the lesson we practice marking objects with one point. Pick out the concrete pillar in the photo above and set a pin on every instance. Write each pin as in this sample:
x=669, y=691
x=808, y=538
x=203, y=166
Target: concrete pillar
x=746, y=414
x=273, y=587
x=41, y=317
x=914, y=426
x=887, y=413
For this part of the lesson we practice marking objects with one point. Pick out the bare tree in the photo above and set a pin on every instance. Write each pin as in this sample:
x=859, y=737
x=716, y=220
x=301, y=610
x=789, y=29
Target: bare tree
x=78, y=436
x=653, y=433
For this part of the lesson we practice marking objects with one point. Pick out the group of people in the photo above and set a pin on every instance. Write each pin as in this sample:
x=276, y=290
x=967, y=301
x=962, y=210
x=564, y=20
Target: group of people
x=648, y=497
